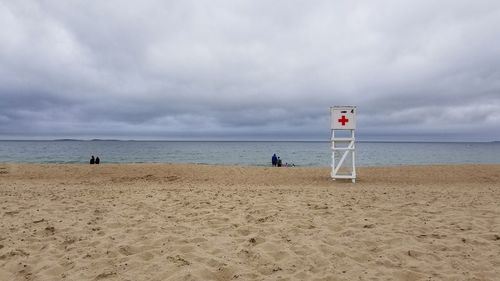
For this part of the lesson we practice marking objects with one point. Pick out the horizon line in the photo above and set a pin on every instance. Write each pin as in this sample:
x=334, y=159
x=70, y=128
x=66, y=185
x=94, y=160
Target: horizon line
x=251, y=140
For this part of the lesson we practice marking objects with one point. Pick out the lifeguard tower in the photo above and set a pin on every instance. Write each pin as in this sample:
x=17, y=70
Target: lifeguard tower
x=343, y=125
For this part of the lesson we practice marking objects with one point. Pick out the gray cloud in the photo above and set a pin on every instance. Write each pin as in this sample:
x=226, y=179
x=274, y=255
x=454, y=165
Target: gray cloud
x=420, y=70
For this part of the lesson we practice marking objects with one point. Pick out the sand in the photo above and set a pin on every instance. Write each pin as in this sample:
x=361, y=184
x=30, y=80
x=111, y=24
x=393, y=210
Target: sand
x=200, y=222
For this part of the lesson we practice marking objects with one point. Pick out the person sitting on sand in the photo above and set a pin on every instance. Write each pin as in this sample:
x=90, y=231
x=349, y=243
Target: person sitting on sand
x=92, y=160
x=97, y=160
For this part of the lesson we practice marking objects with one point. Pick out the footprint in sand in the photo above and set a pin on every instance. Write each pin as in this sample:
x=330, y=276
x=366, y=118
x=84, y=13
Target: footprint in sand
x=126, y=250
x=178, y=260
x=146, y=256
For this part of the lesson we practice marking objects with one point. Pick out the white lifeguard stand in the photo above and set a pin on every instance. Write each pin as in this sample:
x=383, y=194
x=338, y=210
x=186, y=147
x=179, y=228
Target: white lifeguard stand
x=343, y=122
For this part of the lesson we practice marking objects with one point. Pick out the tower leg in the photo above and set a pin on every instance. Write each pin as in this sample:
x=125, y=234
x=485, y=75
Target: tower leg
x=350, y=148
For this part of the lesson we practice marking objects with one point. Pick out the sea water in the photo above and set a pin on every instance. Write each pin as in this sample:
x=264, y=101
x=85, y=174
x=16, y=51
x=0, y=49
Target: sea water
x=246, y=153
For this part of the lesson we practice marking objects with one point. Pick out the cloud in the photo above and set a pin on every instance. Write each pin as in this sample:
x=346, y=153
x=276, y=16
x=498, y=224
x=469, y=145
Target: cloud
x=249, y=69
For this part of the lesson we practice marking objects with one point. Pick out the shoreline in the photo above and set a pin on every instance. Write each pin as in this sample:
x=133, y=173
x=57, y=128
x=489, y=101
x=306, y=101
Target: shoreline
x=407, y=174
x=253, y=165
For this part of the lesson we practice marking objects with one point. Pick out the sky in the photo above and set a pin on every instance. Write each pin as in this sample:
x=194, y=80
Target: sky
x=249, y=70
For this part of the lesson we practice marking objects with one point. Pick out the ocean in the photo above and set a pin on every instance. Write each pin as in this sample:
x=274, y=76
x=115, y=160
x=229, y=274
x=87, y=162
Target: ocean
x=254, y=153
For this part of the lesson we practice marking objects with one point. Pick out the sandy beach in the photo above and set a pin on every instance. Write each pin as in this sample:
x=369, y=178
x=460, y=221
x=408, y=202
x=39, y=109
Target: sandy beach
x=200, y=222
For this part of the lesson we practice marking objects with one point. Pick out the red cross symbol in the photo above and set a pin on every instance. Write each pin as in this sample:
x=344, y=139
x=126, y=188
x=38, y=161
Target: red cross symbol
x=343, y=120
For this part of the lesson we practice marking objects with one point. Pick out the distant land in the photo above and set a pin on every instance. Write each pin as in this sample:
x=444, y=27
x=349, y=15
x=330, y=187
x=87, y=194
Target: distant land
x=86, y=140
x=66, y=140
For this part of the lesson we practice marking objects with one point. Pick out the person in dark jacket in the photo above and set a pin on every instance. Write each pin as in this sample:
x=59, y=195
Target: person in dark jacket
x=280, y=163
x=274, y=160
x=97, y=160
x=92, y=160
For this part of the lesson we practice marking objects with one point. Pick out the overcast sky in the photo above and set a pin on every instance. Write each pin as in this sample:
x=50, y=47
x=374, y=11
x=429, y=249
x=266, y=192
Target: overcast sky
x=258, y=70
